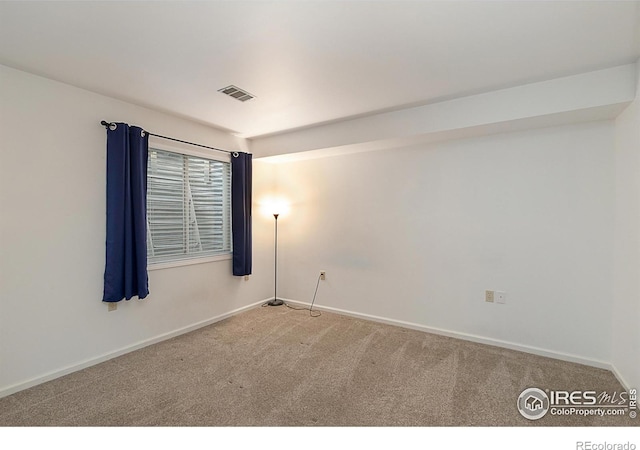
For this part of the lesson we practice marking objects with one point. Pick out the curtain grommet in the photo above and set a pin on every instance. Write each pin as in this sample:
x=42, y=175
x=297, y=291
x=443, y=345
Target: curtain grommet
x=113, y=126
x=235, y=154
x=142, y=133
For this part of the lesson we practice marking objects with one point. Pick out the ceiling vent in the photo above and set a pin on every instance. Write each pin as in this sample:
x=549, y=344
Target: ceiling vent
x=237, y=93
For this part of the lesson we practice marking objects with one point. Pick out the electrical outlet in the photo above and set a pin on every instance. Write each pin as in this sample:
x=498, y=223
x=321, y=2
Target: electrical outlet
x=488, y=296
x=323, y=275
x=112, y=306
x=246, y=278
x=501, y=297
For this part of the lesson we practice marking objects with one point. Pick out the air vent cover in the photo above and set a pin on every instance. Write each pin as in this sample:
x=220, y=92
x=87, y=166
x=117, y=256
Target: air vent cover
x=237, y=93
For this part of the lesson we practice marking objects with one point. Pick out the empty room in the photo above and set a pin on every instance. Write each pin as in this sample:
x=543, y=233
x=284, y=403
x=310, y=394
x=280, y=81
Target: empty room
x=320, y=214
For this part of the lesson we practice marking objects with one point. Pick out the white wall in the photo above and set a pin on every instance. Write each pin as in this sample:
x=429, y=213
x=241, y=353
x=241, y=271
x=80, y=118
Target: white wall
x=52, y=234
x=626, y=302
x=418, y=234
x=410, y=234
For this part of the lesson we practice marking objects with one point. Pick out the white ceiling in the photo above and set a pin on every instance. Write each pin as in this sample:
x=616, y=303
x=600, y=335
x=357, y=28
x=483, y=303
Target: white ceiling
x=310, y=62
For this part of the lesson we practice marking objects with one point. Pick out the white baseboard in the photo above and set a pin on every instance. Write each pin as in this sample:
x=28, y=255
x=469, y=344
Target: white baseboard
x=470, y=337
x=110, y=355
x=414, y=326
x=618, y=375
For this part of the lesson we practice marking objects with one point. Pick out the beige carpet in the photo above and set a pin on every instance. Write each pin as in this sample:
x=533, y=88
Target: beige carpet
x=276, y=366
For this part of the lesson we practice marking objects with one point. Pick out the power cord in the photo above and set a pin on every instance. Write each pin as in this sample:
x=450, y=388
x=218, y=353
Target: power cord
x=312, y=313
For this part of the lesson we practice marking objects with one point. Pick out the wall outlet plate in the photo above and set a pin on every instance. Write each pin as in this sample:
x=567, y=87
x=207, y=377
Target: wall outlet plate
x=112, y=306
x=501, y=297
x=488, y=296
x=323, y=275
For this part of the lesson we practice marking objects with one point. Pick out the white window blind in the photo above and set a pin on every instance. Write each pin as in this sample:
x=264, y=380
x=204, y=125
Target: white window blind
x=188, y=207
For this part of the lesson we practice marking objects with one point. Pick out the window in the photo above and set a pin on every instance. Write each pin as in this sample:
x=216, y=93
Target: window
x=188, y=207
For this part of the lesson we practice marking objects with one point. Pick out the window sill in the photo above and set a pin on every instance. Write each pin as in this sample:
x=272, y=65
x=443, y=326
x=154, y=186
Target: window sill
x=188, y=262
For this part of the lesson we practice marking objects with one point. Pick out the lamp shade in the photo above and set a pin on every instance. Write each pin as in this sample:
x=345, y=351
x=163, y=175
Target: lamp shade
x=274, y=205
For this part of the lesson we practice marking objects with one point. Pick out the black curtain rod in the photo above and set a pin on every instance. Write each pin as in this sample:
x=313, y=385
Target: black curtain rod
x=108, y=124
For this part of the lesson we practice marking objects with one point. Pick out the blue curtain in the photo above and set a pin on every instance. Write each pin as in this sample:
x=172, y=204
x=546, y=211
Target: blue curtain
x=241, y=212
x=125, y=273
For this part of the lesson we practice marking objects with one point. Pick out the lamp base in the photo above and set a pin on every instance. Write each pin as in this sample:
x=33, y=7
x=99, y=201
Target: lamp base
x=275, y=302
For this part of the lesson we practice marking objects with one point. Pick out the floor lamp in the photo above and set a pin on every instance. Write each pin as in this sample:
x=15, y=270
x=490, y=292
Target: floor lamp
x=276, y=301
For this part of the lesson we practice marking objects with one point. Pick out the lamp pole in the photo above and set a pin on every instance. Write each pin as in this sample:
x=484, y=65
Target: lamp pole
x=276, y=301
